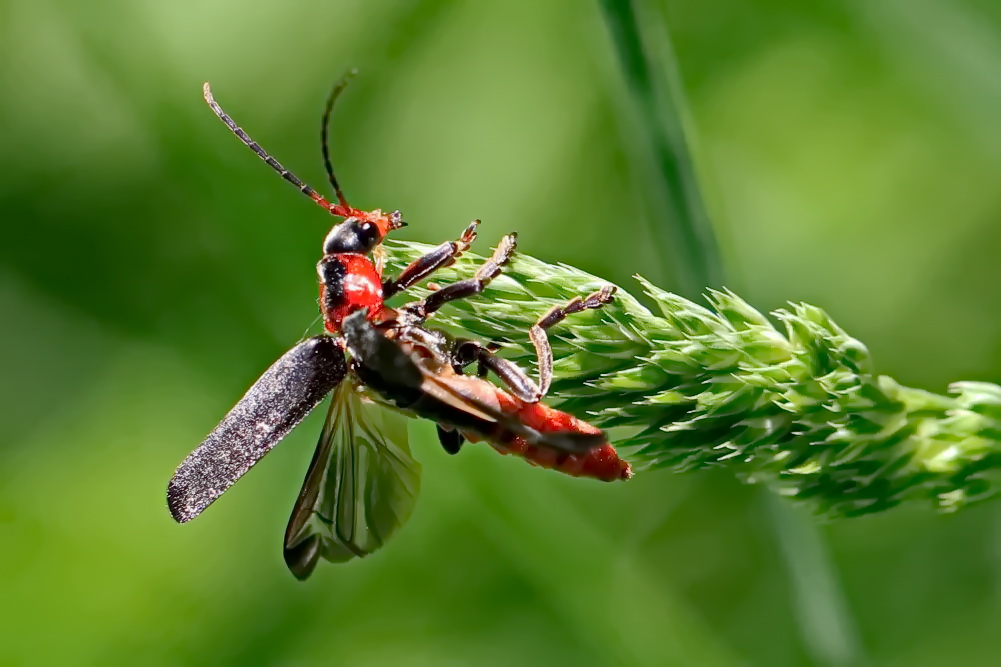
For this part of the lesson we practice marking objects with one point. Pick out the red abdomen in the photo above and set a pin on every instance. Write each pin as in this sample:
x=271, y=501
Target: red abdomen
x=602, y=462
x=348, y=282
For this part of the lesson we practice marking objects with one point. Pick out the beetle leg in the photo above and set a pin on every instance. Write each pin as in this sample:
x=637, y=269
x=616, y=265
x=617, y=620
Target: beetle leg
x=468, y=287
x=537, y=334
x=450, y=438
x=509, y=373
x=513, y=377
x=442, y=256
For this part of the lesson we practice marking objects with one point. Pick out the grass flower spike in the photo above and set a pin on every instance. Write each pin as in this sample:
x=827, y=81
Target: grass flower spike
x=794, y=403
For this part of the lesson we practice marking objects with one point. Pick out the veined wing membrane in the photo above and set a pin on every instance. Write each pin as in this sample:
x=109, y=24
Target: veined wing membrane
x=361, y=486
x=271, y=408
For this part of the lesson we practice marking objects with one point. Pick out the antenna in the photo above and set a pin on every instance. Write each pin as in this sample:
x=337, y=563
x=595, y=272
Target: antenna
x=337, y=209
x=341, y=84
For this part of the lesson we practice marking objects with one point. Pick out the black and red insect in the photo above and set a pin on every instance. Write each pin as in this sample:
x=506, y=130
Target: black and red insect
x=362, y=482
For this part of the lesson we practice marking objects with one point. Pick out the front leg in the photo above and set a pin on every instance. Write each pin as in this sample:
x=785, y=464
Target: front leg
x=489, y=270
x=442, y=256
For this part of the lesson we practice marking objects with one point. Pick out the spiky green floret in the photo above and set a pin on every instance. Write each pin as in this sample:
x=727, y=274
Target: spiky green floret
x=796, y=406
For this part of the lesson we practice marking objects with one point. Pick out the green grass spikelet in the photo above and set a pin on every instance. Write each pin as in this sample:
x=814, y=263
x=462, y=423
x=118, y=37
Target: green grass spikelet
x=793, y=403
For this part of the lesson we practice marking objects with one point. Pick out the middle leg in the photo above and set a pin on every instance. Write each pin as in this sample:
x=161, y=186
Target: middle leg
x=537, y=334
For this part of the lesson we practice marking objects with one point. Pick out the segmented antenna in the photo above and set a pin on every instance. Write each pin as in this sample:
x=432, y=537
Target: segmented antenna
x=341, y=84
x=337, y=209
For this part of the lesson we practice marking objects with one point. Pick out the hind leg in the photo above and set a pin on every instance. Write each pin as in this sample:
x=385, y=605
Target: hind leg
x=537, y=334
x=513, y=377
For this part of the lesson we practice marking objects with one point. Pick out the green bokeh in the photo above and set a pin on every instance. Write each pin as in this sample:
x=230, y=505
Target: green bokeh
x=151, y=268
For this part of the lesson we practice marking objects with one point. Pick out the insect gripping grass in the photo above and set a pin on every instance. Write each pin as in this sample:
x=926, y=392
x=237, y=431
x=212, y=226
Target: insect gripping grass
x=362, y=482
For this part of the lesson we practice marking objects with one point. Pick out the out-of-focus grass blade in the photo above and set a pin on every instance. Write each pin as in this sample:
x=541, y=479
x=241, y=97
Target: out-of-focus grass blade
x=683, y=230
x=679, y=222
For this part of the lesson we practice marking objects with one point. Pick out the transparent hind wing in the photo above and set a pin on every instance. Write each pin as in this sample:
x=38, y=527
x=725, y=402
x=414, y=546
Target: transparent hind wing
x=361, y=486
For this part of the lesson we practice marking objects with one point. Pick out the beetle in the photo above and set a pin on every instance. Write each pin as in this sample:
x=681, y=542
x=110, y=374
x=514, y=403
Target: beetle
x=362, y=482
x=420, y=370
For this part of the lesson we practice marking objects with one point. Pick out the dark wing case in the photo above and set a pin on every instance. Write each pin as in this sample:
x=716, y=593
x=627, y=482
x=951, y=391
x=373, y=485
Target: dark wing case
x=271, y=408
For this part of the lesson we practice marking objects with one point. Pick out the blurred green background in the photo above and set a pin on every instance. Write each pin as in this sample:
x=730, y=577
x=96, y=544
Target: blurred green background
x=151, y=268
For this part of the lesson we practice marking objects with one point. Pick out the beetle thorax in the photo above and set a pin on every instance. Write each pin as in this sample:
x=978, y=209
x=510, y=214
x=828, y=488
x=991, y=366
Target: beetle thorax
x=348, y=282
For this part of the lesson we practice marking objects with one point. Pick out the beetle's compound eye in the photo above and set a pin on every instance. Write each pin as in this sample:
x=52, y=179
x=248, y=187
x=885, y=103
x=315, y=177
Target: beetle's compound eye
x=368, y=234
x=352, y=235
